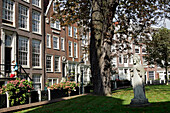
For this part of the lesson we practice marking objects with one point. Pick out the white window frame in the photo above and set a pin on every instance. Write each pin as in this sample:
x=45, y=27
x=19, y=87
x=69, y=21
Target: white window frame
x=63, y=45
x=38, y=5
x=26, y=0
x=54, y=25
x=143, y=47
x=70, y=48
x=36, y=53
x=8, y=40
x=75, y=32
x=56, y=42
x=125, y=58
x=131, y=59
x=54, y=5
x=153, y=74
x=59, y=63
x=83, y=40
x=51, y=61
x=38, y=22
x=25, y=16
x=75, y=50
x=114, y=61
x=70, y=31
x=136, y=47
x=52, y=79
x=120, y=56
x=24, y=38
x=39, y=76
x=49, y=41
x=12, y=13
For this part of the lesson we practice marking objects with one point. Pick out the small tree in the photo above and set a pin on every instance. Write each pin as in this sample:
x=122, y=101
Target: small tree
x=158, y=50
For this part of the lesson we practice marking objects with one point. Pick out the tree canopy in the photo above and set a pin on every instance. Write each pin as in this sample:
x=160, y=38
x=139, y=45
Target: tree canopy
x=134, y=18
x=158, y=49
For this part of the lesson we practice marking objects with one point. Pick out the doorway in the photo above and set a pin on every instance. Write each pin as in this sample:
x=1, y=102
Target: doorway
x=63, y=69
x=8, y=59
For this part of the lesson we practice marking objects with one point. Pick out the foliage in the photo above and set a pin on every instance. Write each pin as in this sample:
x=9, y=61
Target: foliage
x=47, y=84
x=134, y=18
x=158, y=49
x=18, y=90
x=64, y=85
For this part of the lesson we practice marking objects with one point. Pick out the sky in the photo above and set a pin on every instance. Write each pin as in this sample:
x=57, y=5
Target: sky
x=168, y=24
x=167, y=21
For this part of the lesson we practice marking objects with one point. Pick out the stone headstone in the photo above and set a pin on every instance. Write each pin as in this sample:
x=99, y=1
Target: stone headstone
x=138, y=77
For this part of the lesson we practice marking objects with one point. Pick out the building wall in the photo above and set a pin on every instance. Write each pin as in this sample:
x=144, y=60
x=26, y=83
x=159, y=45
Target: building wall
x=34, y=72
x=52, y=51
x=63, y=33
x=16, y=31
x=121, y=68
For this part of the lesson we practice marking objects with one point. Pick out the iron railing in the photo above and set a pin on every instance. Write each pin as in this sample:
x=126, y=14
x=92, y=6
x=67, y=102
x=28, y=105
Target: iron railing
x=5, y=71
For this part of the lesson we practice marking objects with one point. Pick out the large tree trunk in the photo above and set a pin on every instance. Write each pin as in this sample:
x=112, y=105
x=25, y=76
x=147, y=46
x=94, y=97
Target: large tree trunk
x=100, y=45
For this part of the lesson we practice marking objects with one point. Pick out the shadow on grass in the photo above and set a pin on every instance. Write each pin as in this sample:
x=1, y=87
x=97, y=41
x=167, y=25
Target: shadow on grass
x=98, y=104
x=123, y=89
x=147, y=88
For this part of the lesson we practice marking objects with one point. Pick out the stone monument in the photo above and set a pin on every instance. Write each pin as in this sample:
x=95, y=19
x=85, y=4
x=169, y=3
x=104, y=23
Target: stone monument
x=138, y=77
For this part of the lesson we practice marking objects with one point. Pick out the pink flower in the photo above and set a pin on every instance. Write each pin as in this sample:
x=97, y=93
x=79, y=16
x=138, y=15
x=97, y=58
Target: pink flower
x=21, y=85
x=22, y=80
x=67, y=87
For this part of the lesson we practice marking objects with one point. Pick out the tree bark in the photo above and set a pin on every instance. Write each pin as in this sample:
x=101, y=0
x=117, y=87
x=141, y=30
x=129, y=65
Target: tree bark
x=100, y=45
x=166, y=76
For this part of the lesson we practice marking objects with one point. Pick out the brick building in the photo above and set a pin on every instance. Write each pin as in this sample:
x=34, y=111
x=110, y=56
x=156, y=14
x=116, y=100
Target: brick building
x=44, y=49
x=62, y=49
x=21, y=34
x=123, y=63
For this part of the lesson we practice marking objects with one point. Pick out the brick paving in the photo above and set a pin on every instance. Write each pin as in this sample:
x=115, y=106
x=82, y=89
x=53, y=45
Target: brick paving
x=26, y=106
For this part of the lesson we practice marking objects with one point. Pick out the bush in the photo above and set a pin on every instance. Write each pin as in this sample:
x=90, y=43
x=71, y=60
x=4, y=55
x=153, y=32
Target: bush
x=18, y=91
x=64, y=85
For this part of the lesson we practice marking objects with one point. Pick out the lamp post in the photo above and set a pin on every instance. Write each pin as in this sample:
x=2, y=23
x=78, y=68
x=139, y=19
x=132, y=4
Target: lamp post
x=82, y=62
x=82, y=81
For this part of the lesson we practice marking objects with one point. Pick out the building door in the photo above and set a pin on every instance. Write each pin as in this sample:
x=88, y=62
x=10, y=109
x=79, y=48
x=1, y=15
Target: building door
x=7, y=59
x=63, y=69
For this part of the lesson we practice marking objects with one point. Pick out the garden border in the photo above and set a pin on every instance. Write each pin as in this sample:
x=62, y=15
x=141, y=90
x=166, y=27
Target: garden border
x=26, y=106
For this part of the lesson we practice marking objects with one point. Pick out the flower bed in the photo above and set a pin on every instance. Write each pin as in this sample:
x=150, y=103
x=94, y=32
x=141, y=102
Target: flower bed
x=18, y=90
x=64, y=85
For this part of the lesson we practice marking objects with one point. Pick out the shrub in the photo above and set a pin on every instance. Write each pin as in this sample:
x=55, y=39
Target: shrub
x=18, y=90
x=64, y=85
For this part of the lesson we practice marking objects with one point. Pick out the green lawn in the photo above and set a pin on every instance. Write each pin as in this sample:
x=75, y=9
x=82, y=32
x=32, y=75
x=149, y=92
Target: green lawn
x=159, y=97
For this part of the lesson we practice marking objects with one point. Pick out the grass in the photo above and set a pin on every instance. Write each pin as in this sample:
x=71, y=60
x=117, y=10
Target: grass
x=158, y=96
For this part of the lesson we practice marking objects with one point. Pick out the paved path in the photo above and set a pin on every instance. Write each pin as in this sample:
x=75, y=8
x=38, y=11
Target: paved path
x=26, y=106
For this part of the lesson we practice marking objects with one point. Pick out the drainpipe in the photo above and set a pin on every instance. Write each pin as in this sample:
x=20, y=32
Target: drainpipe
x=44, y=48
